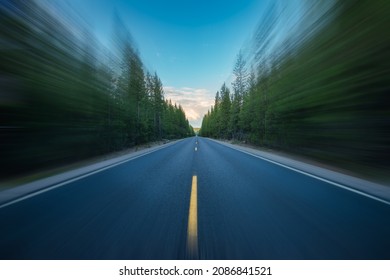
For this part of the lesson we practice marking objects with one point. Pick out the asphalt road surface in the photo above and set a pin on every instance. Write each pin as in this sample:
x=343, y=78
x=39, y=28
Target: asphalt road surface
x=196, y=199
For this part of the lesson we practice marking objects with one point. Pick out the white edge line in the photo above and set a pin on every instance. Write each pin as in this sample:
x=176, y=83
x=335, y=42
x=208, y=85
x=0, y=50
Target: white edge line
x=76, y=178
x=311, y=175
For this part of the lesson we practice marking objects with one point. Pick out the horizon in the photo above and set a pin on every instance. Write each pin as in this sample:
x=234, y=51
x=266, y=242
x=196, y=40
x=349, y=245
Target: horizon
x=184, y=44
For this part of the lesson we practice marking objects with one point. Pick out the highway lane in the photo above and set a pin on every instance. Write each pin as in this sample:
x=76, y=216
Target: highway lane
x=137, y=210
x=252, y=209
x=246, y=208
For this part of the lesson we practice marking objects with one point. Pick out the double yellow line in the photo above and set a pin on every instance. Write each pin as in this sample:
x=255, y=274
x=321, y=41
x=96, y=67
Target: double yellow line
x=192, y=231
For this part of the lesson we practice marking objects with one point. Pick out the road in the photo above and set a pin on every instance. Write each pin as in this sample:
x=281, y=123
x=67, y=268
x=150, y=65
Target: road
x=196, y=200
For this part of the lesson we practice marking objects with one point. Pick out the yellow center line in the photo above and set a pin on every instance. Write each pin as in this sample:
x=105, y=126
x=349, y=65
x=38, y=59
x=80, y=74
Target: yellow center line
x=192, y=231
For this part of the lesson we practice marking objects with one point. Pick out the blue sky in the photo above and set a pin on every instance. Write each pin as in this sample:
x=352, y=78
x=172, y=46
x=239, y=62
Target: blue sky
x=192, y=45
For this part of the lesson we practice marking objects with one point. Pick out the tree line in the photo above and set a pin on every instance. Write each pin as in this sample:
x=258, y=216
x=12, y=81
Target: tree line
x=65, y=98
x=323, y=93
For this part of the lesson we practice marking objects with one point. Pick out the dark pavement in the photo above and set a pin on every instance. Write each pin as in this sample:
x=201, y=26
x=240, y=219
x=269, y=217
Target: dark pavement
x=247, y=208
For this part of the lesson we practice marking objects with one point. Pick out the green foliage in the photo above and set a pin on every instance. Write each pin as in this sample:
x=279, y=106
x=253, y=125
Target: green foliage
x=63, y=98
x=216, y=122
x=323, y=93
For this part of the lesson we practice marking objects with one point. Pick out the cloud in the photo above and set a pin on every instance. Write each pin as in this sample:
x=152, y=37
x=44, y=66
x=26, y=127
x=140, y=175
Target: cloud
x=195, y=102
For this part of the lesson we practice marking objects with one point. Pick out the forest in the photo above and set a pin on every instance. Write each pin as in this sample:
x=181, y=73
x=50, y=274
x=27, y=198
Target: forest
x=323, y=92
x=65, y=97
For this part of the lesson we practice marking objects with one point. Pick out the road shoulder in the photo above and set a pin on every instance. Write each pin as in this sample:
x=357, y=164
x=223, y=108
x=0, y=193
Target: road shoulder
x=374, y=189
x=11, y=191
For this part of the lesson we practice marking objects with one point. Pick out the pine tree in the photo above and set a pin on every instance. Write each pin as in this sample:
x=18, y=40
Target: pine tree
x=224, y=113
x=240, y=85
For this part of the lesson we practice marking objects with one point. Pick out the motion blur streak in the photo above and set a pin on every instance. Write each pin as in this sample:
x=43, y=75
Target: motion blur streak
x=64, y=97
x=313, y=80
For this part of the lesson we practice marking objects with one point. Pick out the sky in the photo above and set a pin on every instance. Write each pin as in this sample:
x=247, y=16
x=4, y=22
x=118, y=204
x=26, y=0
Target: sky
x=192, y=44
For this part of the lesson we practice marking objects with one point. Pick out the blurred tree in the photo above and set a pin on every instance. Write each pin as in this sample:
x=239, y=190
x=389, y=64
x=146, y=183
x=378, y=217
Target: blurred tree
x=320, y=90
x=64, y=99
